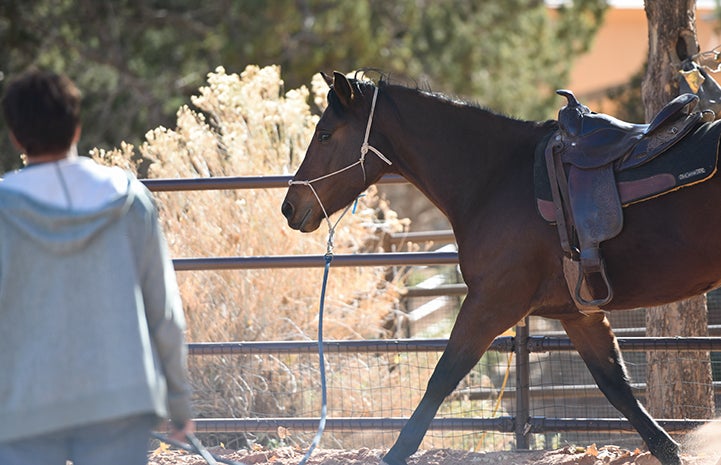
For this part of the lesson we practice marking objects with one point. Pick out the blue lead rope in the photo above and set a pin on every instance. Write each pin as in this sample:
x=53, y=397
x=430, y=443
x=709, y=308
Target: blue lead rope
x=324, y=396
x=196, y=447
x=355, y=204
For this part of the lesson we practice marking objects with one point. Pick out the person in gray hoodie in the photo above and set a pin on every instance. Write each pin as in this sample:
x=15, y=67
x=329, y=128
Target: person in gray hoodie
x=92, y=350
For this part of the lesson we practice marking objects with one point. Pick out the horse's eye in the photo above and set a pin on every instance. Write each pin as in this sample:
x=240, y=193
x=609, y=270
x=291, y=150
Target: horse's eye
x=323, y=136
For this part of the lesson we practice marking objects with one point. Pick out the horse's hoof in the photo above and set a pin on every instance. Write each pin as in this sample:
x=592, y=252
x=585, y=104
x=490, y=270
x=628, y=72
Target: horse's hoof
x=670, y=460
x=392, y=461
x=669, y=454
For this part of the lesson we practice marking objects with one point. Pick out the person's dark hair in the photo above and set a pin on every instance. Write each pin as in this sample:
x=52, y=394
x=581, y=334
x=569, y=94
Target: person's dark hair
x=42, y=110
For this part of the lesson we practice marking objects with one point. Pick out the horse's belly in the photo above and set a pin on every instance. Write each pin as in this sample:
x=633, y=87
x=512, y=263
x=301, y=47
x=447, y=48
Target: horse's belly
x=669, y=248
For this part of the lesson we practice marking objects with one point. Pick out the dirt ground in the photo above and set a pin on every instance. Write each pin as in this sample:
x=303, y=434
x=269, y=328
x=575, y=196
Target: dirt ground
x=701, y=447
x=591, y=455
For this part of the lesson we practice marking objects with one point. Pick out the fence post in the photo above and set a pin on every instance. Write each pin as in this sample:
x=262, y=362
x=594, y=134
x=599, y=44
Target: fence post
x=522, y=384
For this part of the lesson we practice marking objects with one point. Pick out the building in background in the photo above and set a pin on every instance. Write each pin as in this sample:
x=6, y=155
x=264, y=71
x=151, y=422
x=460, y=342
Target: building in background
x=621, y=47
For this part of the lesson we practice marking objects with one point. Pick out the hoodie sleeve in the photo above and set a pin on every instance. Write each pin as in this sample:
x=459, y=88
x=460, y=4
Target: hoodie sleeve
x=166, y=321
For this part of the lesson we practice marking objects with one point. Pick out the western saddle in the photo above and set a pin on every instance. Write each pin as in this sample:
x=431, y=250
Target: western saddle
x=582, y=159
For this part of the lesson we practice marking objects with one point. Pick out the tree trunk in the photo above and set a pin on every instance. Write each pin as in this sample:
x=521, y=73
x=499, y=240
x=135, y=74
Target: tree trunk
x=679, y=383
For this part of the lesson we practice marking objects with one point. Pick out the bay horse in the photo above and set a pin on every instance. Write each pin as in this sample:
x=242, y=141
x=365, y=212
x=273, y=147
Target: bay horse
x=476, y=166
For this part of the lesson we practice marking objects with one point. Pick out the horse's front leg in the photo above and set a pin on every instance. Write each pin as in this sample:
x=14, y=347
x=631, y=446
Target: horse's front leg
x=594, y=340
x=474, y=330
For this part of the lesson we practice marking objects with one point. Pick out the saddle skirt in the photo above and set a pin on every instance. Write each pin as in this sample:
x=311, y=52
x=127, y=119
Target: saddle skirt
x=594, y=165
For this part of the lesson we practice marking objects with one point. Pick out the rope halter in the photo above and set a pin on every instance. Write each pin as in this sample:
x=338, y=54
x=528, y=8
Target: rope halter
x=365, y=147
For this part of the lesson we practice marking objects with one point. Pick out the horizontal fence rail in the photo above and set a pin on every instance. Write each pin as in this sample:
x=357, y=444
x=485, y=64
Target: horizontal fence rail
x=500, y=424
x=578, y=391
x=309, y=261
x=443, y=235
x=544, y=425
x=235, y=182
x=456, y=290
x=341, y=425
x=500, y=344
x=545, y=344
x=535, y=344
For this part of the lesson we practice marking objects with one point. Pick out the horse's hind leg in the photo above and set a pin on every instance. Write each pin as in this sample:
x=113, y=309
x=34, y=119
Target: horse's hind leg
x=594, y=340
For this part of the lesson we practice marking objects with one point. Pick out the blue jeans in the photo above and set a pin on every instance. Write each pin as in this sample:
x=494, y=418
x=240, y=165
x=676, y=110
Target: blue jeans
x=118, y=442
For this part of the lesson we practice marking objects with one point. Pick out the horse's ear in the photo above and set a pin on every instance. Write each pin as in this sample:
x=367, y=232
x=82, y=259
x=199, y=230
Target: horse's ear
x=328, y=79
x=343, y=88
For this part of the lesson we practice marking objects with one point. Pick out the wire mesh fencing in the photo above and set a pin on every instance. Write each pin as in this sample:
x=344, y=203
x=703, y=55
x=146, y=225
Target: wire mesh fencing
x=269, y=394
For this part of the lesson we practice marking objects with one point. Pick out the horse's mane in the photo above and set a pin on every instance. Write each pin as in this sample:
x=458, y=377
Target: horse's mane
x=365, y=79
x=382, y=79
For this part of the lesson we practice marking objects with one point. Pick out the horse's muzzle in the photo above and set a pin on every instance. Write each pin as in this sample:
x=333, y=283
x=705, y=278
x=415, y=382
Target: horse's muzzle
x=300, y=222
x=287, y=209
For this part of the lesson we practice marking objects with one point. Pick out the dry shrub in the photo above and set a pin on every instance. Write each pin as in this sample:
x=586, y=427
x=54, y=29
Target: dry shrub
x=247, y=125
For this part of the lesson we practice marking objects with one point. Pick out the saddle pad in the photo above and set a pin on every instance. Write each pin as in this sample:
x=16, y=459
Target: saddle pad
x=690, y=161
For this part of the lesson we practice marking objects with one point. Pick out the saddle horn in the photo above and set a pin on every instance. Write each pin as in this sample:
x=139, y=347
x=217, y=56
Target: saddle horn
x=570, y=115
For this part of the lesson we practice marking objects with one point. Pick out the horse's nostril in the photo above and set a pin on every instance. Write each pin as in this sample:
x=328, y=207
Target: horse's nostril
x=287, y=209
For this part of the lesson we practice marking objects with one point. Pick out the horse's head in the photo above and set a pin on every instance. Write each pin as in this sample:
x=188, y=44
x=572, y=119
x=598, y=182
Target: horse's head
x=335, y=169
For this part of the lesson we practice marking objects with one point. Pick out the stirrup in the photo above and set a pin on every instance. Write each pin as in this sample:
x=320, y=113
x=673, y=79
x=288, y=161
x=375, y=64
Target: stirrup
x=594, y=302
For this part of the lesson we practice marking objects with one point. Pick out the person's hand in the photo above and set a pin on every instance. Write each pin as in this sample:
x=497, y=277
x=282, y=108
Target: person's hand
x=179, y=434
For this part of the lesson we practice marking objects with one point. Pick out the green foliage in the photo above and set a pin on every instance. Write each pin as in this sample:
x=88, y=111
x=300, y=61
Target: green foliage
x=510, y=56
x=137, y=61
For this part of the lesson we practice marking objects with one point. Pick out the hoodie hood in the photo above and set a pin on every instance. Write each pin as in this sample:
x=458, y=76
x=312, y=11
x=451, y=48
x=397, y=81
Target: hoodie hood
x=62, y=205
x=59, y=230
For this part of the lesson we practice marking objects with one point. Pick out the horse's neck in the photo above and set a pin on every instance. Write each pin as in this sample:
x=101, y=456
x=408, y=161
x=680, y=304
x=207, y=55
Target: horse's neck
x=452, y=153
